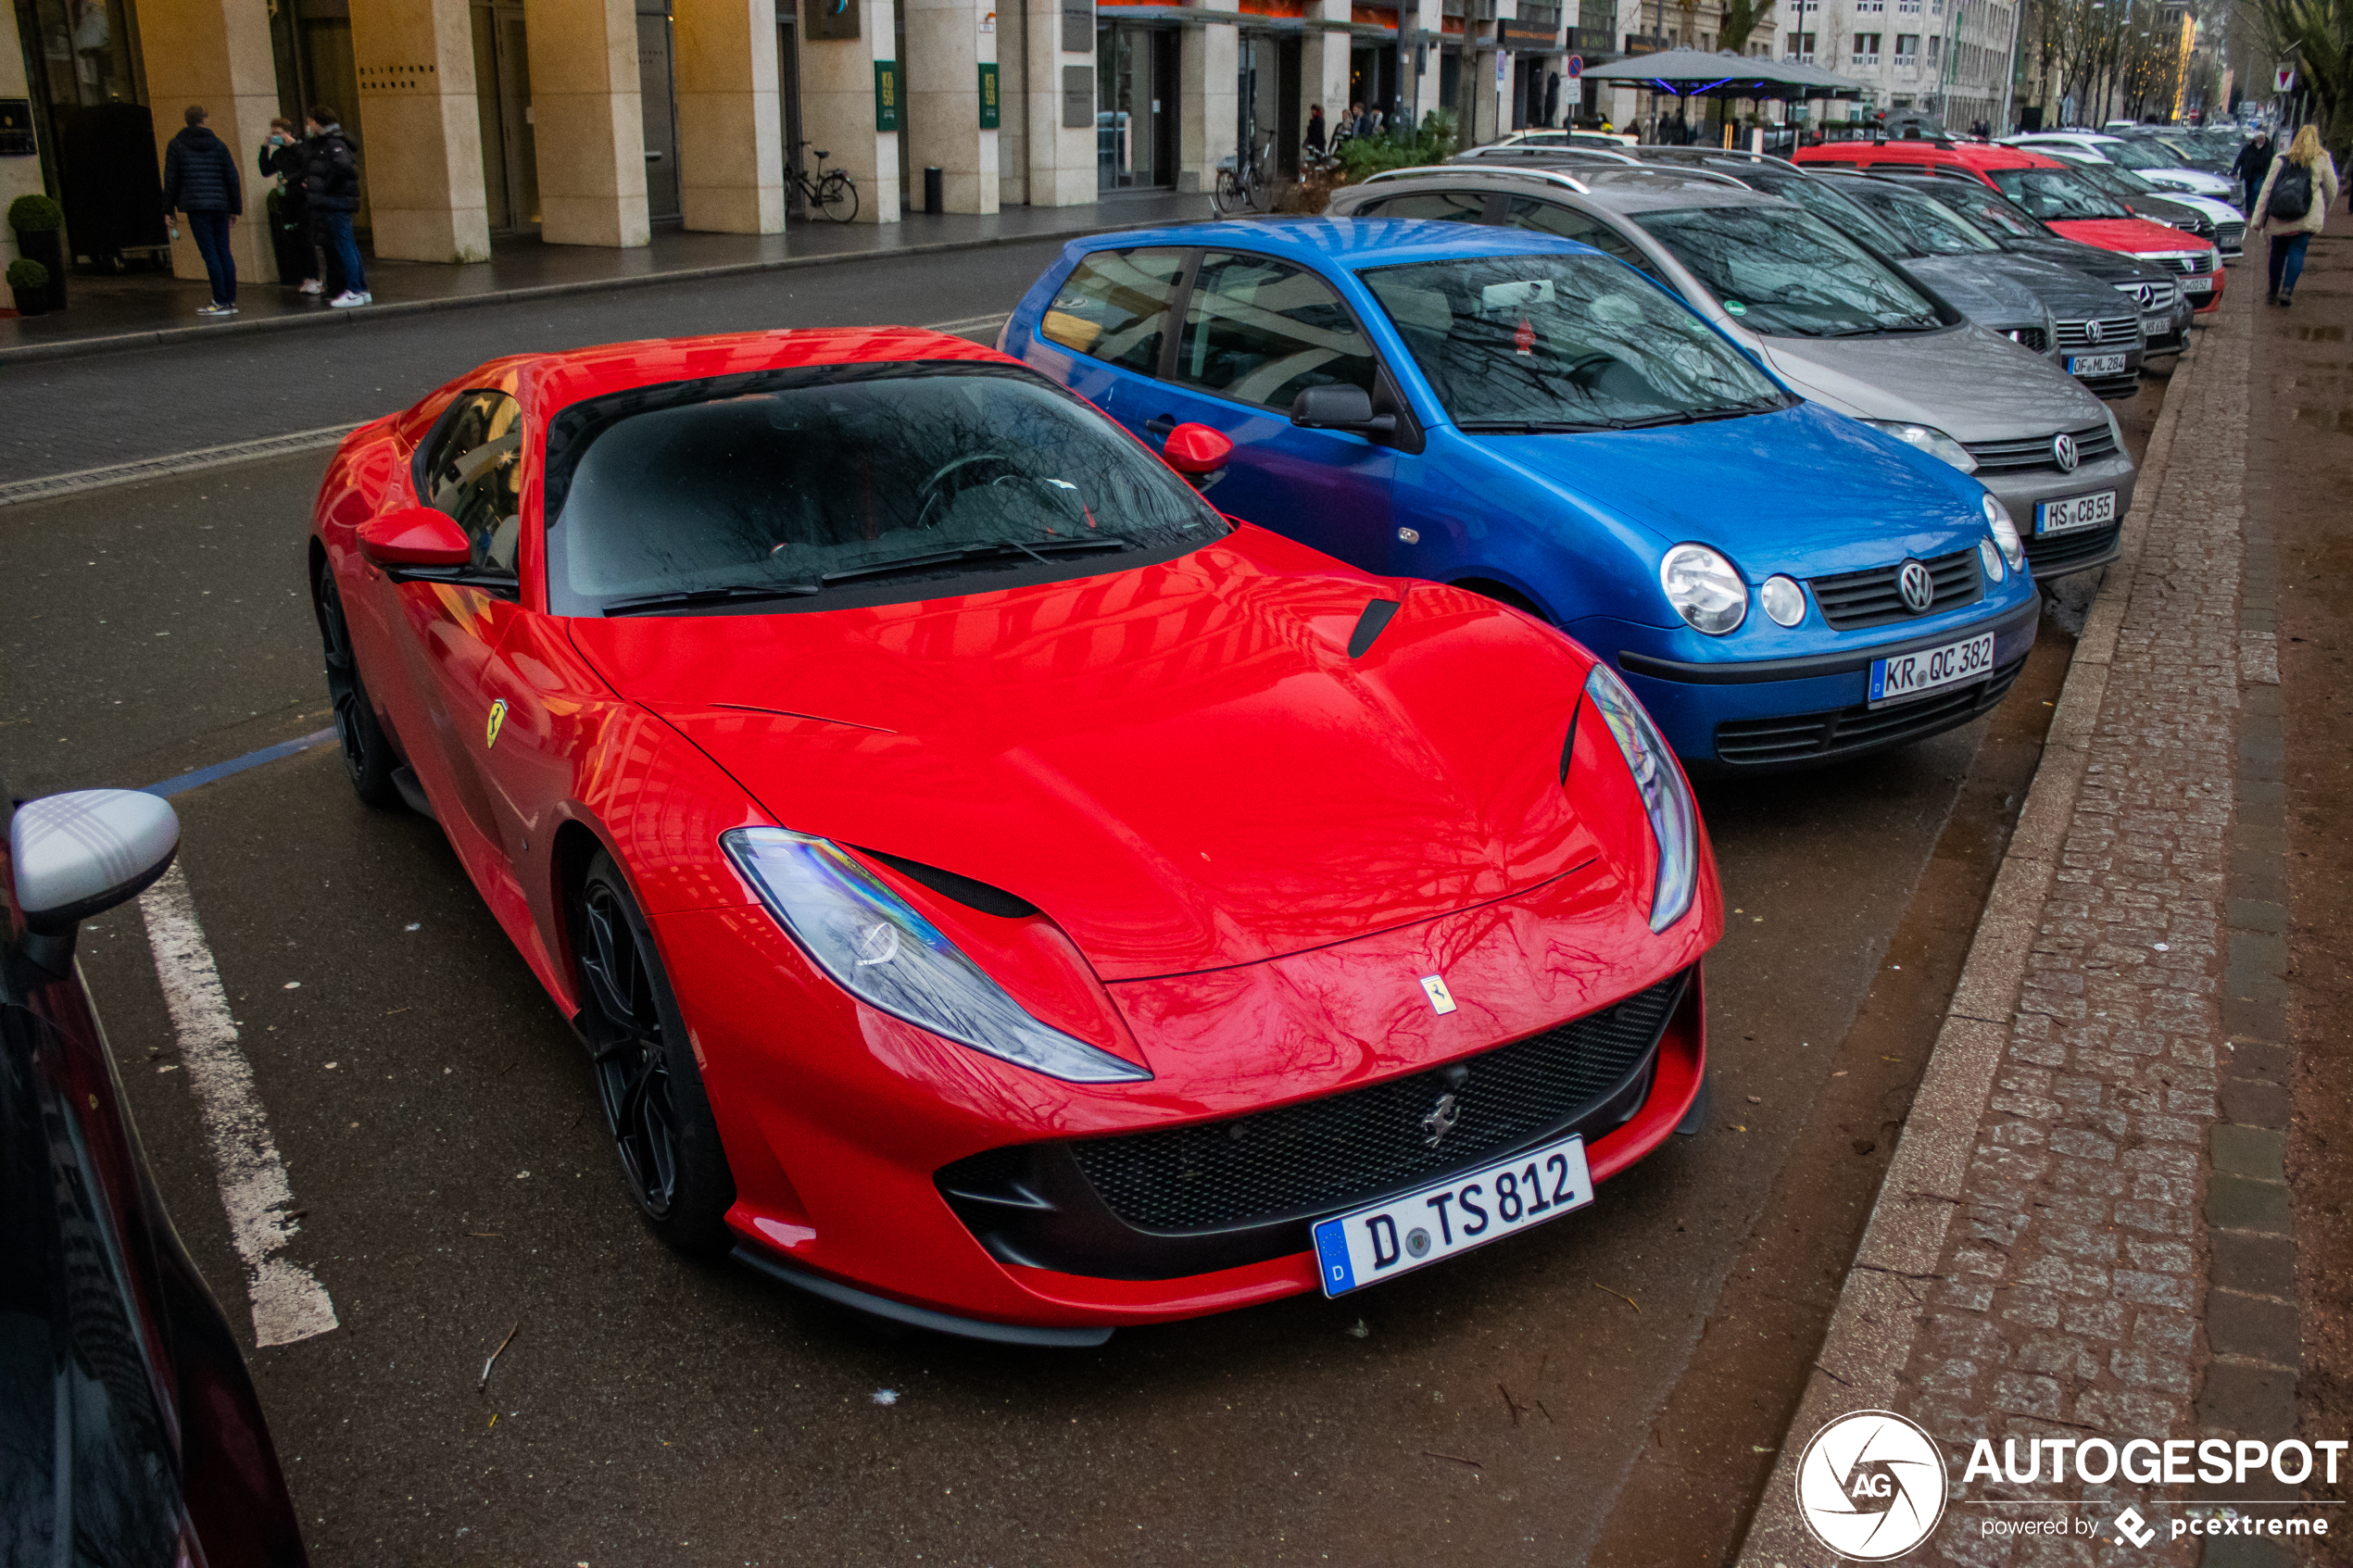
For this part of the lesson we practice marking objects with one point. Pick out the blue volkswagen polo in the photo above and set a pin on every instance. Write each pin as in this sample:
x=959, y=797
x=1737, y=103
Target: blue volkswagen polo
x=1520, y=414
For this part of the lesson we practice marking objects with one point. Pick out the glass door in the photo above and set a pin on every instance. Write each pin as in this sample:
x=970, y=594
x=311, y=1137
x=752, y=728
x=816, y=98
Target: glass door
x=502, y=105
x=654, y=89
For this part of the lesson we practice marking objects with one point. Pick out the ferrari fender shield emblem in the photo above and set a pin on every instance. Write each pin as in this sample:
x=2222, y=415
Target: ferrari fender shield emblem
x=1441, y=998
x=498, y=722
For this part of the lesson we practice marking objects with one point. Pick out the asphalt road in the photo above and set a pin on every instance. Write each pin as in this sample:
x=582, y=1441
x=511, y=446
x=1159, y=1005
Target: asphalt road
x=439, y=1127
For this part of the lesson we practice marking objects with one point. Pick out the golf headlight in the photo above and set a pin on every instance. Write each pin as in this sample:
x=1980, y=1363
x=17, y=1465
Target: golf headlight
x=2115, y=431
x=1929, y=439
x=1674, y=822
x=1703, y=589
x=879, y=950
x=2005, y=532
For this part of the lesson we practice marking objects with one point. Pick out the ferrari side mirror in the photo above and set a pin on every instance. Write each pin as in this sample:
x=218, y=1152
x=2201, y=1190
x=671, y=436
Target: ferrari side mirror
x=415, y=536
x=1196, y=449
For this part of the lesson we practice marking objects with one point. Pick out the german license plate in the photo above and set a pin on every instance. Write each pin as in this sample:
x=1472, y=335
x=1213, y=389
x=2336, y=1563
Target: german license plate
x=1902, y=676
x=2075, y=511
x=2157, y=326
x=2197, y=286
x=1400, y=1234
x=2094, y=364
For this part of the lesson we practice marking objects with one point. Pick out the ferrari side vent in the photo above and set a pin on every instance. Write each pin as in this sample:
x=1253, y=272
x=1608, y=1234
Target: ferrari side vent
x=1377, y=615
x=963, y=889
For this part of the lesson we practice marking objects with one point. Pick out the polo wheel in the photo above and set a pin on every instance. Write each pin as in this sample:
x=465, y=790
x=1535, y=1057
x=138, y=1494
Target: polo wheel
x=367, y=750
x=646, y=1079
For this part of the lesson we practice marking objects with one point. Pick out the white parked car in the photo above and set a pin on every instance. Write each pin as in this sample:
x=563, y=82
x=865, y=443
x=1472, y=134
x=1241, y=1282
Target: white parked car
x=2147, y=159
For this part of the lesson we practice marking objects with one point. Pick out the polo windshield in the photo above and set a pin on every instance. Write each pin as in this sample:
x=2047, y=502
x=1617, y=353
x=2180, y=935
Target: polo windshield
x=1530, y=344
x=1787, y=273
x=2057, y=195
x=808, y=484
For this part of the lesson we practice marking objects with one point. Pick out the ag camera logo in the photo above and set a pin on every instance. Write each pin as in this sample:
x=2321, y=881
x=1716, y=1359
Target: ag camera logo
x=1870, y=1485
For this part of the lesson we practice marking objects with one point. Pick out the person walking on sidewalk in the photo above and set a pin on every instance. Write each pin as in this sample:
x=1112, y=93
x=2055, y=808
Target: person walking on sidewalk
x=1315, y=138
x=2292, y=207
x=200, y=179
x=282, y=159
x=2254, y=162
x=331, y=184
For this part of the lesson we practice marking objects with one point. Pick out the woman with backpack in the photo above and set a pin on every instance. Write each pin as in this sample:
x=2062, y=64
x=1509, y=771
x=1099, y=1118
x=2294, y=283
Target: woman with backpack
x=2292, y=207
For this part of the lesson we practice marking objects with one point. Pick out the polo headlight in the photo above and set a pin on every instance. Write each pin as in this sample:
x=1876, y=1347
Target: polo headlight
x=2005, y=532
x=1666, y=797
x=877, y=947
x=1929, y=439
x=1703, y=589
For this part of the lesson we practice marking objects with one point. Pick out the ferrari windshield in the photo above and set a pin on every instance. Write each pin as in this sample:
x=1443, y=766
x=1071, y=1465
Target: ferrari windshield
x=1562, y=342
x=788, y=485
x=2057, y=194
x=1787, y=273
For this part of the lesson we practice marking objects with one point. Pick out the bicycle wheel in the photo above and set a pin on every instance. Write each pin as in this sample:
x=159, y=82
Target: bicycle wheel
x=1227, y=195
x=1259, y=191
x=838, y=197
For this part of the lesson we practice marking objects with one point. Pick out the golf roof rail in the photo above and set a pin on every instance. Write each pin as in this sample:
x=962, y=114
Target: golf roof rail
x=1548, y=176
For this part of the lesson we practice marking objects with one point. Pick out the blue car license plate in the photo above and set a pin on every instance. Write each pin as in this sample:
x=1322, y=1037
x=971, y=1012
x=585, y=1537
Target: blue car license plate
x=1904, y=675
x=1400, y=1234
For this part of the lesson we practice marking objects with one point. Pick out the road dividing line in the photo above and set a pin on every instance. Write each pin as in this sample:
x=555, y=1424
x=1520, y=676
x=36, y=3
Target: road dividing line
x=288, y=1302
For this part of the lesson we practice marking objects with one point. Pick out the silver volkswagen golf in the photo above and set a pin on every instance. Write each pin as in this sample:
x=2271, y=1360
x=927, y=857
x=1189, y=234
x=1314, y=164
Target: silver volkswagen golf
x=1838, y=325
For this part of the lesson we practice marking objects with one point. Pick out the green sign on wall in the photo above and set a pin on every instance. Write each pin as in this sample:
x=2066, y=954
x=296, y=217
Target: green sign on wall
x=886, y=94
x=988, y=106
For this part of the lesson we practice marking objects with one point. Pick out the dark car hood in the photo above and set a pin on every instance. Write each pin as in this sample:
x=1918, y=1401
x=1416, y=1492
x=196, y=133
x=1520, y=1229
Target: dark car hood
x=1179, y=763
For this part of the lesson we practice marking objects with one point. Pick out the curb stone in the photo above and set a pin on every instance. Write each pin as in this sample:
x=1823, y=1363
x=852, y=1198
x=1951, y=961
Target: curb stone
x=1881, y=1305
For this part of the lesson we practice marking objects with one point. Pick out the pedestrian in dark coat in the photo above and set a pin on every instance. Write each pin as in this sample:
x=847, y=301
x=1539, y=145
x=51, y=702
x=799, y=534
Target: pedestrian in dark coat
x=2254, y=162
x=331, y=184
x=200, y=179
x=283, y=159
x=1315, y=133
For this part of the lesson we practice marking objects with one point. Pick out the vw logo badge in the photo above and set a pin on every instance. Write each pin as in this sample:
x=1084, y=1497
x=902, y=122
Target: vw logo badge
x=2063, y=452
x=2091, y=332
x=1440, y=1119
x=1917, y=586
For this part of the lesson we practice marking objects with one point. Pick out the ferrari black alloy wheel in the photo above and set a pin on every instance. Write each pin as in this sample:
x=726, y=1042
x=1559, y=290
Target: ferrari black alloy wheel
x=646, y=1075
x=367, y=750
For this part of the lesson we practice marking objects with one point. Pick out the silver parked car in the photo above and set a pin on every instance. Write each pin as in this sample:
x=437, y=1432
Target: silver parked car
x=1838, y=325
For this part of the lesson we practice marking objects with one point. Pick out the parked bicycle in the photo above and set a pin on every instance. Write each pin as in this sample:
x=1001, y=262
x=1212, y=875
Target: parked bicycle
x=1246, y=182
x=830, y=193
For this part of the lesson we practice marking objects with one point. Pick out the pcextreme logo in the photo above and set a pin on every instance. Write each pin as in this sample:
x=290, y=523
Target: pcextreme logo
x=1870, y=1485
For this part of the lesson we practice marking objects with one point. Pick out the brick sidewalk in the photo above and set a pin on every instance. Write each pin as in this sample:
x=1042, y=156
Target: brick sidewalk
x=2090, y=1235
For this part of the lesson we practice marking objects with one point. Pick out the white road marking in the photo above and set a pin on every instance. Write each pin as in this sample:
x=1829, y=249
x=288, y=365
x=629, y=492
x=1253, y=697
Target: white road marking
x=288, y=1301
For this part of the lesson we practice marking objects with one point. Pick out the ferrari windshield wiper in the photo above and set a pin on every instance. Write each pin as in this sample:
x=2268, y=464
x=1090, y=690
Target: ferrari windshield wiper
x=1038, y=548
x=711, y=596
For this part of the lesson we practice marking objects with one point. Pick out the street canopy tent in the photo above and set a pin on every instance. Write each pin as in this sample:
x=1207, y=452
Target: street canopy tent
x=1694, y=73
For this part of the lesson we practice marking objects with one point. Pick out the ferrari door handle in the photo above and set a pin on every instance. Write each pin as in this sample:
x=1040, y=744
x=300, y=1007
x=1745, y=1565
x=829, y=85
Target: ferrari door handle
x=1160, y=426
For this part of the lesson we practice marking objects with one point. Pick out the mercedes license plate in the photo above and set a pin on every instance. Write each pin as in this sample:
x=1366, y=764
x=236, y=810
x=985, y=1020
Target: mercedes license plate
x=2075, y=511
x=1400, y=1234
x=2094, y=364
x=1902, y=676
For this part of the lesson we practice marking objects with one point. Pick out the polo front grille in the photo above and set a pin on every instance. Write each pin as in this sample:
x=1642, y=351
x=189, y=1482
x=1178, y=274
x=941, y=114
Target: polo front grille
x=1815, y=737
x=2029, y=337
x=1855, y=600
x=2063, y=553
x=1322, y=1155
x=2116, y=332
x=2231, y=237
x=2091, y=443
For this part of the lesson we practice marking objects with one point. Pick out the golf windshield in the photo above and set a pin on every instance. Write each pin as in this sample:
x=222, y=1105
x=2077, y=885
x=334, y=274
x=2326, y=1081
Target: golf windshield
x=1929, y=227
x=2138, y=155
x=2057, y=194
x=1787, y=273
x=809, y=485
x=1551, y=342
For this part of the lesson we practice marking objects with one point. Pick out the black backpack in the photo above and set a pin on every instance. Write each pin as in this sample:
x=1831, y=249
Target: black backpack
x=2290, y=193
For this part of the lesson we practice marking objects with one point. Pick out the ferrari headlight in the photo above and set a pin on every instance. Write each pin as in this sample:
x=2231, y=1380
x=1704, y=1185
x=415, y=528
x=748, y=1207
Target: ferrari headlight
x=1703, y=589
x=876, y=947
x=1666, y=798
x=2005, y=532
x=1929, y=439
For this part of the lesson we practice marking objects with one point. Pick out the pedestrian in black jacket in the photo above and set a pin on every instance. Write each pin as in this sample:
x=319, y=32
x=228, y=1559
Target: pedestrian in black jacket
x=2254, y=163
x=331, y=184
x=283, y=159
x=200, y=179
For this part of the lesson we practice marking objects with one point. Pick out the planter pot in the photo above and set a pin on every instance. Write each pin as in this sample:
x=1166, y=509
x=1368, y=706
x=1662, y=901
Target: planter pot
x=45, y=249
x=31, y=302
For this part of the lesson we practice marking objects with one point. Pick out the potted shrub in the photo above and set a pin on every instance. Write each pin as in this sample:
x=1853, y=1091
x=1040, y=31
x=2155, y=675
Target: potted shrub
x=40, y=226
x=28, y=280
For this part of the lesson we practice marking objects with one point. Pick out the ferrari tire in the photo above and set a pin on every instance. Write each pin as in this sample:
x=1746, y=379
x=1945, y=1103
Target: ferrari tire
x=647, y=1078
x=367, y=757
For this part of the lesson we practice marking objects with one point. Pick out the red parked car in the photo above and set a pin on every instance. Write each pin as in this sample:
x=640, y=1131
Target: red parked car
x=2052, y=191
x=997, y=891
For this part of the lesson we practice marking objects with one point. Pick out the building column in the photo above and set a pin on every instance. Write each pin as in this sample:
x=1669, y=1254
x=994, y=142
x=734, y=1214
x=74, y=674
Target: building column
x=1425, y=22
x=425, y=195
x=1323, y=63
x=1058, y=101
x=946, y=48
x=588, y=121
x=1208, y=80
x=1489, y=117
x=1621, y=108
x=731, y=151
x=214, y=52
x=838, y=111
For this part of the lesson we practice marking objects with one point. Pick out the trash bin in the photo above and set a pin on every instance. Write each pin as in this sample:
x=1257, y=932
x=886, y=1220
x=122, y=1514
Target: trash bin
x=933, y=200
